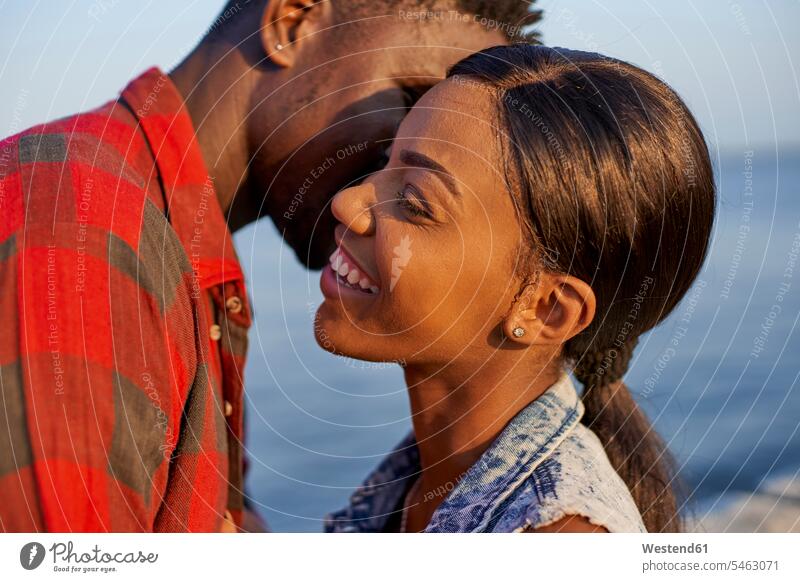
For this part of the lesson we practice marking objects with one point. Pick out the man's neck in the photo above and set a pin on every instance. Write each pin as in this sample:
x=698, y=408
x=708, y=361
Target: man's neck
x=459, y=411
x=215, y=87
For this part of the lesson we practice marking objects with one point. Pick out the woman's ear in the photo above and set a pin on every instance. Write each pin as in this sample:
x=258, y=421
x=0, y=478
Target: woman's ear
x=285, y=24
x=555, y=309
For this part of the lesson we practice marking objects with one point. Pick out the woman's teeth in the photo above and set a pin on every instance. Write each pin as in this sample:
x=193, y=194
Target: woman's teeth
x=349, y=275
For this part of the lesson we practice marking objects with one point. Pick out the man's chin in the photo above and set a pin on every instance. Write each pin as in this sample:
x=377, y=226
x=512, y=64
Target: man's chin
x=313, y=255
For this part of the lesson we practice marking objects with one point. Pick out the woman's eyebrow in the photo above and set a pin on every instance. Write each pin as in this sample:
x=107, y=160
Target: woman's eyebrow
x=418, y=160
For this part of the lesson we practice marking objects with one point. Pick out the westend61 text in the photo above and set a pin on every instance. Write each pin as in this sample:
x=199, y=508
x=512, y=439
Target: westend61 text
x=675, y=548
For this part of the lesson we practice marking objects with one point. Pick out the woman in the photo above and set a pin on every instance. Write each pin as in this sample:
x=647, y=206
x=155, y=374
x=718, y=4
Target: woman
x=541, y=209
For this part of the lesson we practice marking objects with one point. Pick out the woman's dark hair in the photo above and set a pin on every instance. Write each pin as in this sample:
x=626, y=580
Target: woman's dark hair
x=614, y=186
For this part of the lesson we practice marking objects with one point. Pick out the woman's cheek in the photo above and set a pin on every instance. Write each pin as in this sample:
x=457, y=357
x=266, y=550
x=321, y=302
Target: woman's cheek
x=421, y=273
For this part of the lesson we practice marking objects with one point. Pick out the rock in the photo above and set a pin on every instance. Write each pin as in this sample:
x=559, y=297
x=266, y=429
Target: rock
x=773, y=508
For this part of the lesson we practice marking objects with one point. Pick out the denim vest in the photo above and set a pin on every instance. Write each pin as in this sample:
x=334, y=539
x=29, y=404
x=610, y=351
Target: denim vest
x=544, y=466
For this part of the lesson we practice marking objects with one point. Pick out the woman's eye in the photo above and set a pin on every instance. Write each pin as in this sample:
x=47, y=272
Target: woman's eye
x=411, y=203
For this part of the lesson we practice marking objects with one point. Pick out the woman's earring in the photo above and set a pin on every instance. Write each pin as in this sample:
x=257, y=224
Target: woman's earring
x=518, y=332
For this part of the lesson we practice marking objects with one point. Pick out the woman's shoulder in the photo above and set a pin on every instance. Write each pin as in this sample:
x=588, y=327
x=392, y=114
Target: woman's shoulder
x=576, y=479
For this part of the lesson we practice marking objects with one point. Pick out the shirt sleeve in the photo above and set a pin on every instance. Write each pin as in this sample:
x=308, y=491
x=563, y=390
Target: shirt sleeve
x=99, y=356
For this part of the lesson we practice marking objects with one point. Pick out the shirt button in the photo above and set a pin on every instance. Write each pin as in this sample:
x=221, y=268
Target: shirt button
x=234, y=304
x=228, y=408
x=215, y=332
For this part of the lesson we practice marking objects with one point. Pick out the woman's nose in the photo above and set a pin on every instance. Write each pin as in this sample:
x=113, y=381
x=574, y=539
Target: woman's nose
x=353, y=207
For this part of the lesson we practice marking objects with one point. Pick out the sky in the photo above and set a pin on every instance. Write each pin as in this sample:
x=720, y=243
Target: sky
x=735, y=63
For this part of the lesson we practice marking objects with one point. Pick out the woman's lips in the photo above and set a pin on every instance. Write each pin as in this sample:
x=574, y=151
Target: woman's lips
x=348, y=273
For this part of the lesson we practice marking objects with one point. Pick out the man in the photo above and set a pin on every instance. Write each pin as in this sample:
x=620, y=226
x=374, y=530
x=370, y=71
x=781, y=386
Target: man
x=123, y=302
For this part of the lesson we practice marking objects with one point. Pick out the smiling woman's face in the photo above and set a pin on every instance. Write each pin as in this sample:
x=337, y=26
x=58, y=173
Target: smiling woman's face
x=427, y=262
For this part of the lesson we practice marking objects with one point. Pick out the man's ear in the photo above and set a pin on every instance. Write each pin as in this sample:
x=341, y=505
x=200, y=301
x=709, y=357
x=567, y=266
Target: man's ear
x=284, y=25
x=551, y=311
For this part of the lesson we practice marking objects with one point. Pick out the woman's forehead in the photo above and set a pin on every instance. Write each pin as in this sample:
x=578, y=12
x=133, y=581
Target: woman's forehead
x=456, y=126
x=457, y=121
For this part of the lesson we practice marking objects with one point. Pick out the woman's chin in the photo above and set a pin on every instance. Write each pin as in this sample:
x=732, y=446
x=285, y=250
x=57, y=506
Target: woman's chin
x=337, y=335
x=332, y=333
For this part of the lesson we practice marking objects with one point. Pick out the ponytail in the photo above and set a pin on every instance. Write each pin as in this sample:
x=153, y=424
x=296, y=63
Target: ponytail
x=635, y=450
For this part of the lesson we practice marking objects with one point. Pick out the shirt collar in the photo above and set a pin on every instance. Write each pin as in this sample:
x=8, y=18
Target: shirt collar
x=520, y=448
x=189, y=194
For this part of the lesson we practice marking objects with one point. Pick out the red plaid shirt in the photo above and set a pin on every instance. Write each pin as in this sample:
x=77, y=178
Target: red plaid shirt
x=124, y=320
